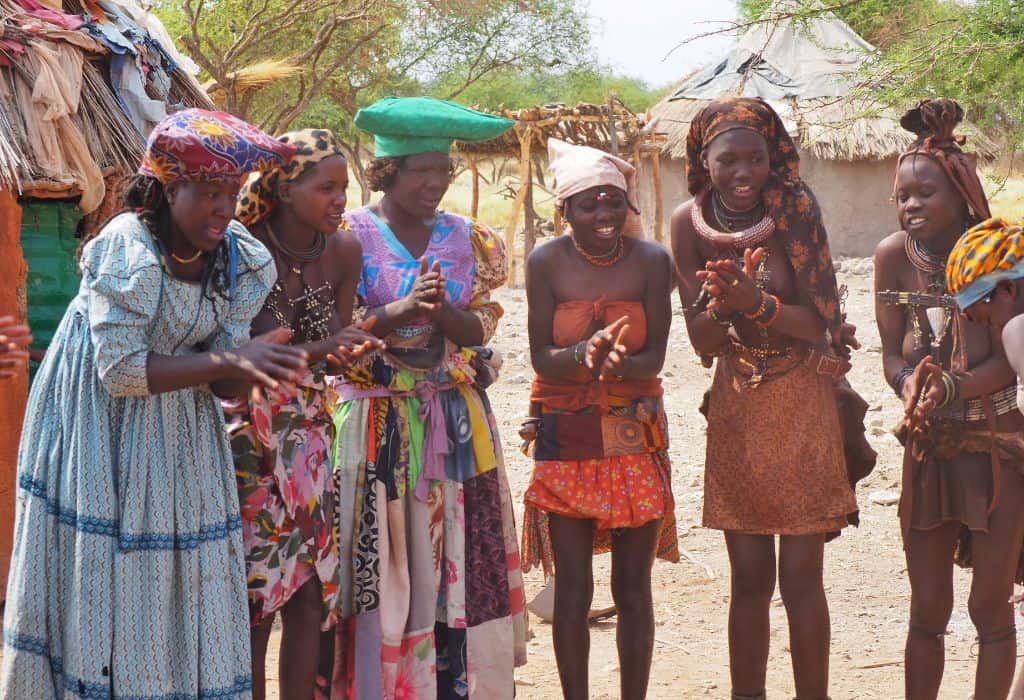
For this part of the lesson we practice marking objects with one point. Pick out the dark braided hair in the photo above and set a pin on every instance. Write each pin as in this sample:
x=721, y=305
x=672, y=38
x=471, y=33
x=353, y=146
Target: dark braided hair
x=145, y=196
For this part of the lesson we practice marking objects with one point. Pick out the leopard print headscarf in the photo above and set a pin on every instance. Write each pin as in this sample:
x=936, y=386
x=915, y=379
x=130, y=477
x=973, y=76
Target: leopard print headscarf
x=259, y=194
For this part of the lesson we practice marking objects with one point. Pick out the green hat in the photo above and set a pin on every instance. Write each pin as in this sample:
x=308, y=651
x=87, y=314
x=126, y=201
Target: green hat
x=404, y=126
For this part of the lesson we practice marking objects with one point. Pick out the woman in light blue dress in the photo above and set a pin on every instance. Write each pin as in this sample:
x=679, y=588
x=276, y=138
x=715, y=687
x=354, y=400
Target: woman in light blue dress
x=127, y=578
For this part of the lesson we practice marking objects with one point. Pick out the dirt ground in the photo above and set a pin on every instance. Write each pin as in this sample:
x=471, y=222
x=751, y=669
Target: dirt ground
x=865, y=575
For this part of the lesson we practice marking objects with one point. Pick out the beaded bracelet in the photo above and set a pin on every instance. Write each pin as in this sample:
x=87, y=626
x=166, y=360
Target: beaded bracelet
x=771, y=315
x=760, y=309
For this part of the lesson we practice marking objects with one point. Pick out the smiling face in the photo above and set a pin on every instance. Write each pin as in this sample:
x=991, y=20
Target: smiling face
x=739, y=165
x=597, y=216
x=930, y=208
x=201, y=210
x=317, y=197
x=421, y=182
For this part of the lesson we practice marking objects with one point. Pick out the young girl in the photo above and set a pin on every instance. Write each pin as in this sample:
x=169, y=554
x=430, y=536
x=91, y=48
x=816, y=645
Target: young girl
x=600, y=311
x=757, y=283
x=128, y=577
x=282, y=439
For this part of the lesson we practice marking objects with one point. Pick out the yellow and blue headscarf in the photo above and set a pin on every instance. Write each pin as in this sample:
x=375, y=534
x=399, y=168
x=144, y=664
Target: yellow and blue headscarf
x=989, y=253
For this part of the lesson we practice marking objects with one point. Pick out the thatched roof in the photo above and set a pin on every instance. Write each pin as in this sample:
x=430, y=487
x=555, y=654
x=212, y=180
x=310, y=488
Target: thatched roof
x=609, y=127
x=811, y=73
x=63, y=128
x=845, y=129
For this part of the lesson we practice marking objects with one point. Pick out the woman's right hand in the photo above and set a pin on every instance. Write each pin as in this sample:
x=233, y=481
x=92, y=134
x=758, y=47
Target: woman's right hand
x=427, y=293
x=267, y=360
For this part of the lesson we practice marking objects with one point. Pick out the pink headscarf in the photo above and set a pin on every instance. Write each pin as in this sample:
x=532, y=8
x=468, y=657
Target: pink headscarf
x=578, y=168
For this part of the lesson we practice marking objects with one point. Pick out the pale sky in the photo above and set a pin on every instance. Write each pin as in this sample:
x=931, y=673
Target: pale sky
x=634, y=36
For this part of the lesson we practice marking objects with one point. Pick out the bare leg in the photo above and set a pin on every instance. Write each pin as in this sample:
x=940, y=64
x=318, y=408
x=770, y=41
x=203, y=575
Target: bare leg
x=752, y=558
x=259, y=638
x=995, y=557
x=803, y=594
x=633, y=551
x=930, y=567
x=300, y=642
x=572, y=541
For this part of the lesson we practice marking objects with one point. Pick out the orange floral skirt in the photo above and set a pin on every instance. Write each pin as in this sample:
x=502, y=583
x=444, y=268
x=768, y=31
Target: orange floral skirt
x=615, y=492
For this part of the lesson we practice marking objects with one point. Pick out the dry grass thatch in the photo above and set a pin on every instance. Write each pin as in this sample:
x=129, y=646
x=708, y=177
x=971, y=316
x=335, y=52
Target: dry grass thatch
x=846, y=129
x=251, y=78
x=113, y=141
x=611, y=127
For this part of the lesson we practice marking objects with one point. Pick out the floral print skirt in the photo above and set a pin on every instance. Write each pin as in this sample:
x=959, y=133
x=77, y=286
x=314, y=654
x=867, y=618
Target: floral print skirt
x=282, y=449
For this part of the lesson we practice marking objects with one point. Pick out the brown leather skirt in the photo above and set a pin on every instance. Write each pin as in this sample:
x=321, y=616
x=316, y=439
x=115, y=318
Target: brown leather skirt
x=775, y=462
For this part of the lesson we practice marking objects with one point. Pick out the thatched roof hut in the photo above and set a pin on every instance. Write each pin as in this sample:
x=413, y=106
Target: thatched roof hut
x=848, y=146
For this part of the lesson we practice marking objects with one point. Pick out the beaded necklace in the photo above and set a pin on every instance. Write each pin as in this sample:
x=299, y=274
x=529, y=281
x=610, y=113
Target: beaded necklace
x=314, y=316
x=604, y=260
x=747, y=238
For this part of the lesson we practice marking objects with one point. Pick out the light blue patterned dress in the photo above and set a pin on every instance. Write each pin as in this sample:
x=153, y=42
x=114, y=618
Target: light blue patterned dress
x=128, y=578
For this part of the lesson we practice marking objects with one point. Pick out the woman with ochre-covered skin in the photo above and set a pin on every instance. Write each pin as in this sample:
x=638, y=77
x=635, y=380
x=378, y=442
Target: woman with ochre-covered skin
x=759, y=293
x=963, y=489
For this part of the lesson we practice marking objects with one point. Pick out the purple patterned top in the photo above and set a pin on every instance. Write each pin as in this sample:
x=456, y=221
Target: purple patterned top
x=389, y=270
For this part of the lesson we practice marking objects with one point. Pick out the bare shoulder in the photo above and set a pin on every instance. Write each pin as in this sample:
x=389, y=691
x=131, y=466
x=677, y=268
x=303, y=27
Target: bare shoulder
x=344, y=253
x=545, y=257
x=653, y=253
x=890, y=249
x=682, y=213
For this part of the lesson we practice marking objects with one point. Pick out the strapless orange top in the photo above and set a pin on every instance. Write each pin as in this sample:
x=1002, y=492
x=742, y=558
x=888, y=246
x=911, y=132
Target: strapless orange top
x=578, y=320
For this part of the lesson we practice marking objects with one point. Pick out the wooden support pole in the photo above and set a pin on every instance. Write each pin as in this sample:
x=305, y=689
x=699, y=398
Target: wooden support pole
x=525, y=141
x=658, y=205
x=475, y=206
x=559, y=222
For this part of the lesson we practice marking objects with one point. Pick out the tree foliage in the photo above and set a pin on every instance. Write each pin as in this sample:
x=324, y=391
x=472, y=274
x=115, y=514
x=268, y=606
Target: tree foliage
x=970, y=51
x=348, y=53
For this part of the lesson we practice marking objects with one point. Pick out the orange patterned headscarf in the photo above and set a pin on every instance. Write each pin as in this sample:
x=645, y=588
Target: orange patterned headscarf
x=787, y=199
x=986, y=255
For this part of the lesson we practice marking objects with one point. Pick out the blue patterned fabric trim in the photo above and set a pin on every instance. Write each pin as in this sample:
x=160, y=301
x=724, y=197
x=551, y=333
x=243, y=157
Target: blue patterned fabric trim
x=101, y=691
x=129, y=541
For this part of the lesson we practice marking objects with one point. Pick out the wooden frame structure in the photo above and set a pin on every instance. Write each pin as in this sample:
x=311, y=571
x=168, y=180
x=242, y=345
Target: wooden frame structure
x=610, y=127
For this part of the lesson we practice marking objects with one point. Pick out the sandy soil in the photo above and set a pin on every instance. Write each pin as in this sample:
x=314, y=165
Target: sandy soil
x=865, y=574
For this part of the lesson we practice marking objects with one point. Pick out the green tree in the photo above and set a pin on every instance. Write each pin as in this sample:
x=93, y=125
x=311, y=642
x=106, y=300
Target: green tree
x=970, y=51
x=348, y=53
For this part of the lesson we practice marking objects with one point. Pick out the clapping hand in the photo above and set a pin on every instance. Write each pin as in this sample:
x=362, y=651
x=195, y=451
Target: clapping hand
x=732, y=288
x=605, y=355
x=427, y=293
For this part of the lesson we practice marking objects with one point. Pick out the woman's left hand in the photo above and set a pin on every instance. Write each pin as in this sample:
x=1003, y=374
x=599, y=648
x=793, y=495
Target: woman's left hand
x=733, y=288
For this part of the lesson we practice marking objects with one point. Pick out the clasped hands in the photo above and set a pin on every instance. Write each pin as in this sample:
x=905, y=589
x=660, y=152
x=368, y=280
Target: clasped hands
x=732, y=289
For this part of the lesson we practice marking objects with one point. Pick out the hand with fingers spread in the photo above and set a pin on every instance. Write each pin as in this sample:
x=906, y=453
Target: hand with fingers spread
x=733, y=289
x=427, y=293
x=605, y=354
x=352, y=342
x=14, y=341
x=267, y=360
